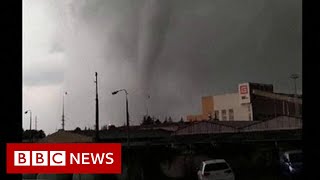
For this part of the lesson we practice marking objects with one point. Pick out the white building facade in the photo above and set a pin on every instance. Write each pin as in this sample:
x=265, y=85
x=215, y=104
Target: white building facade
x=253, y=101
x=227, y=107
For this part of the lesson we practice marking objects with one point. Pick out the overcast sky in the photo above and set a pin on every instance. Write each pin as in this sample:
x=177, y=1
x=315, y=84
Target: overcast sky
x=173, y=50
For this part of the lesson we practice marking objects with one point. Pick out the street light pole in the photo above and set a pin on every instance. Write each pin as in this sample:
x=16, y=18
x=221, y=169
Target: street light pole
x=30, y=117
x=127, y=114
x=128, y=126
x=35, y=122
x=30, y=122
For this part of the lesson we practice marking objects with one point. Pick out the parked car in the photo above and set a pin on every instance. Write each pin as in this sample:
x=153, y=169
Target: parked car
x=215, y=169
x=291, y=163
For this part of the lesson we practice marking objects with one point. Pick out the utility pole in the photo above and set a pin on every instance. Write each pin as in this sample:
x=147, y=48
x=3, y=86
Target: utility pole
x=97, y=108
x=30, y=123
x=30, y=120
x=148, y=97
x=65, y=93
x=35, y=122
x=128, y=125
x=31, y=135
x=294, y=77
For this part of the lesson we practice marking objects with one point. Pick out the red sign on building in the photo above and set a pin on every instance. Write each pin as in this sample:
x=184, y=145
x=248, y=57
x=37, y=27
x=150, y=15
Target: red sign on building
x=243, y=89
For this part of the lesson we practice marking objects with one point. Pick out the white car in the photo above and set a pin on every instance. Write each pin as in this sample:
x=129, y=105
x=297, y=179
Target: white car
x=217, y=169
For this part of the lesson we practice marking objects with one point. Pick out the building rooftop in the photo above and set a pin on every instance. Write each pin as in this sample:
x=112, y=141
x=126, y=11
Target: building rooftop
x=290, y=95
x=66, y=137
x=235, y=124
x=134, y=133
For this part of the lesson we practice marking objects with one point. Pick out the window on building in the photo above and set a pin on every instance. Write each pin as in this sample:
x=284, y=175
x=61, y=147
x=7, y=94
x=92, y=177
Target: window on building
x=224, y=114
x=216, y=115
x=231, y=114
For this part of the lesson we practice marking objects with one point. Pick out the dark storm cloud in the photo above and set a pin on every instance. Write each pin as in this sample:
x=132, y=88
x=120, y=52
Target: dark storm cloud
x=184, y=49
x=154, y=24
x=214, y=45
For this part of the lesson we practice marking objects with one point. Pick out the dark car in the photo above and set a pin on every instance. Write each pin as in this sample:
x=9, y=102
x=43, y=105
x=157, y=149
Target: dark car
x=291, y=163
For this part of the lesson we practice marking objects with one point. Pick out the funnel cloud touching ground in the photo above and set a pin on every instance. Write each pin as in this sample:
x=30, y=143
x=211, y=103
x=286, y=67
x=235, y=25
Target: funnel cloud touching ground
x=175, y=51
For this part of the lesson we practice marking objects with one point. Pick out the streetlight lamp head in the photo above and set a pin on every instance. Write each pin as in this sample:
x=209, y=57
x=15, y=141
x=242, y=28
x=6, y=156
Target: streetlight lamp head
x=26, y=112
x=114, y=92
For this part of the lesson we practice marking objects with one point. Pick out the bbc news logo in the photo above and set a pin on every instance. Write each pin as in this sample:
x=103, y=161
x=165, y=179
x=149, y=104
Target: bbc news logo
x=58, y=158
x=39, y=158
x=64, y=158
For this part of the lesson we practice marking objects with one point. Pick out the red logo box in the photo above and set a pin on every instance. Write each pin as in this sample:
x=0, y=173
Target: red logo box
x=63, y=158
x=243, y=89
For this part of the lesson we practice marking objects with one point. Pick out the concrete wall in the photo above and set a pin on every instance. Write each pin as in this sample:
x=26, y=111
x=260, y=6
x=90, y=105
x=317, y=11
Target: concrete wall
x=200, y=117
x=231, y=101
x=207, y=105
x=227, y=102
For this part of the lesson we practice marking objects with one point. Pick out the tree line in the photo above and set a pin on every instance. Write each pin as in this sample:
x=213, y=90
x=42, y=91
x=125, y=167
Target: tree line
x=148, y=120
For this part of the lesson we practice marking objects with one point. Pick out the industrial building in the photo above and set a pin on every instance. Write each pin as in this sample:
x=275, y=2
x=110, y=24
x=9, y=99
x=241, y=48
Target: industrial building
x=252, y=102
